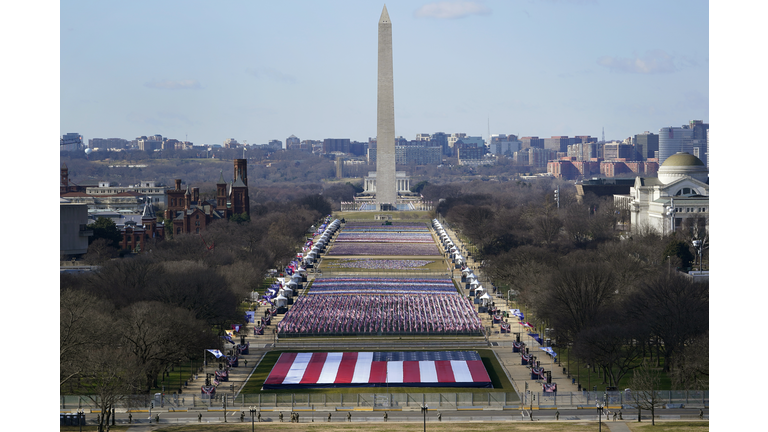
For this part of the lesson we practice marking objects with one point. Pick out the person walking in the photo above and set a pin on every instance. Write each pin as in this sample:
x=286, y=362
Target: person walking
x=281, y=417
x=130, y=418
x=242, y=416
x=199, y=417
x=439, y=416
x=621, y=417
x=258, y=417
x=385, y=416
x=701, y=414
x=297, y=417
x=614, y=416
x=557, y=415
x=349, y=416
x=329, y=417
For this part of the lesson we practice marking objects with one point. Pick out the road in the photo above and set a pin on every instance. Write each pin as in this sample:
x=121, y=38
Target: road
x=399, y=416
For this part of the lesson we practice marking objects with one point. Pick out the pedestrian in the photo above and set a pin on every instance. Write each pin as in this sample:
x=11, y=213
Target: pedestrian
x=297, y=417
x=242, y=416
x=293, y=417
x=620, y=416
x=258, y=417
x=385, y=416
x=246, y=362
x=157, y=418
x=329, y=417
x=199, y=417
x=439, y=416
x=349, y=416
x=614, y=416
x=701, y=414
x=557, y=415
x=281, y=417
x=130, y=418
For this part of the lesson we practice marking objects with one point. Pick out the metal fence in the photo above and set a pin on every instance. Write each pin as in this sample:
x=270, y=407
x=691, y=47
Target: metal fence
x=386, y=400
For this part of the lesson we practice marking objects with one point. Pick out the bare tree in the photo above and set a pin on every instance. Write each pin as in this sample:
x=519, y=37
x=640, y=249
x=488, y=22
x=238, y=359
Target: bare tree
x=645, y=385
x=577, y=295
x=613, y=345
x=110, y=374
x=81, y=326
x=691, y=366
x=675, y=309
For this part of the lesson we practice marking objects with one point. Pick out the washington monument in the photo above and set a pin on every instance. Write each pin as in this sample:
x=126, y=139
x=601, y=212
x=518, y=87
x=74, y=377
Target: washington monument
x=386, y=190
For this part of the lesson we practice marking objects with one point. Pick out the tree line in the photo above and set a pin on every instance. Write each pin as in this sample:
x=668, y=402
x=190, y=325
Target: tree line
x=613, y=297
x=134, y=318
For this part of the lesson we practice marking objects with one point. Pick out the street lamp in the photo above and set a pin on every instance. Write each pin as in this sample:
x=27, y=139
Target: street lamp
x=599, y=416
x=80, y=417
x=253, y=413
x=599, y=405
x=424, y=409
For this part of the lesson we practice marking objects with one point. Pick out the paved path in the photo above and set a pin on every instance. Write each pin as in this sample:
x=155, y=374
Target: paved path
x=617, y=426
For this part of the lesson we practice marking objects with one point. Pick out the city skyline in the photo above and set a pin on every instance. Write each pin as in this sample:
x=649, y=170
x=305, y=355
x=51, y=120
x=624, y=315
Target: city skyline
x=257, y=72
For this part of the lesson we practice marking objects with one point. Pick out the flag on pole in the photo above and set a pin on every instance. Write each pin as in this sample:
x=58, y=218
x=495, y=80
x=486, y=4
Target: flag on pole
x=216, y=353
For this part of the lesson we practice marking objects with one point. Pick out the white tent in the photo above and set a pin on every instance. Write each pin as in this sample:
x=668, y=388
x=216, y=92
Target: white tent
x=485, y=299
x=281, y=300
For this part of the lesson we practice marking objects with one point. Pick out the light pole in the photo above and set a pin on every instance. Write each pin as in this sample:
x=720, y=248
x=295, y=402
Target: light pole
x=253, y=413
x=424, y=409
x=600, y=404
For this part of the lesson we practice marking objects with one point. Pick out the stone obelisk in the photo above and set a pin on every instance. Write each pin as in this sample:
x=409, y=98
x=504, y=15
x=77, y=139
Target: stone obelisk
x=386, y=189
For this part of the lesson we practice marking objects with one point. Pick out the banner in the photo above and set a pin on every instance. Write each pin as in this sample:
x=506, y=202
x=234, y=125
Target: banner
x=216, y=352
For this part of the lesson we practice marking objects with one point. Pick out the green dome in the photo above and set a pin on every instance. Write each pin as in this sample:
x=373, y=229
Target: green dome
x=682, y=159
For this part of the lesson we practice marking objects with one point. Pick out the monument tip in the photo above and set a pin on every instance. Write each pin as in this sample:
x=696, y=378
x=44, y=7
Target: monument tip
x=384, y=16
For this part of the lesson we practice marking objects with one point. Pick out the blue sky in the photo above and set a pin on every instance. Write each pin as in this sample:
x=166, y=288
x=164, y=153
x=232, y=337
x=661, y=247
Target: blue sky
x=256, y=70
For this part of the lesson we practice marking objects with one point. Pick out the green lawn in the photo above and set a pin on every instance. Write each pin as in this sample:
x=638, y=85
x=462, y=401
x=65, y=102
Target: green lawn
x=588, y=378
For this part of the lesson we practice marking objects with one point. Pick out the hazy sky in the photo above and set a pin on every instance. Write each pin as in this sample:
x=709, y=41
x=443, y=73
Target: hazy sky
x=257, y=70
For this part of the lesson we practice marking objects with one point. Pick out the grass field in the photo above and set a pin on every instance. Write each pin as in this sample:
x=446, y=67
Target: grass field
x=498, y=378
x=580, y=426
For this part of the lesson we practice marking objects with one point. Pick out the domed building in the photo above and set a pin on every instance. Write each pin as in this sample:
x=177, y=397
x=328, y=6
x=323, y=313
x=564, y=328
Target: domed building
x=680, y=192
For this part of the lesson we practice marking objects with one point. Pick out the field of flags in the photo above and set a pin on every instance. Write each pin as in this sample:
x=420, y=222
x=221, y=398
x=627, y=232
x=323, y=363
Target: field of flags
x=376, y=264
x=372, y=306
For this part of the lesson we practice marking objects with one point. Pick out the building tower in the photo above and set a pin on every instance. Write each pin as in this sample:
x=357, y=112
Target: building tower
x=241, y=170
x=221, y=193
x=386, y=190
x=239, y=198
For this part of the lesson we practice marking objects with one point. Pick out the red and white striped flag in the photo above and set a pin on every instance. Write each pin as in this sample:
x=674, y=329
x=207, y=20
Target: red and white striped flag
x=322, y=369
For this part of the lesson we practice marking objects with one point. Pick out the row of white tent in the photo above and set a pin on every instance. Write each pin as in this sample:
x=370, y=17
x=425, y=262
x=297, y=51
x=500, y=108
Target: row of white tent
x=448, y=244
x=450, y=247
x=288, y=288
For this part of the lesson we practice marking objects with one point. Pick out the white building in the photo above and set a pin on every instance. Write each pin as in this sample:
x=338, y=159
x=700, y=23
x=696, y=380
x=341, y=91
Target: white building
x=681, y=191
x=402, y=181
